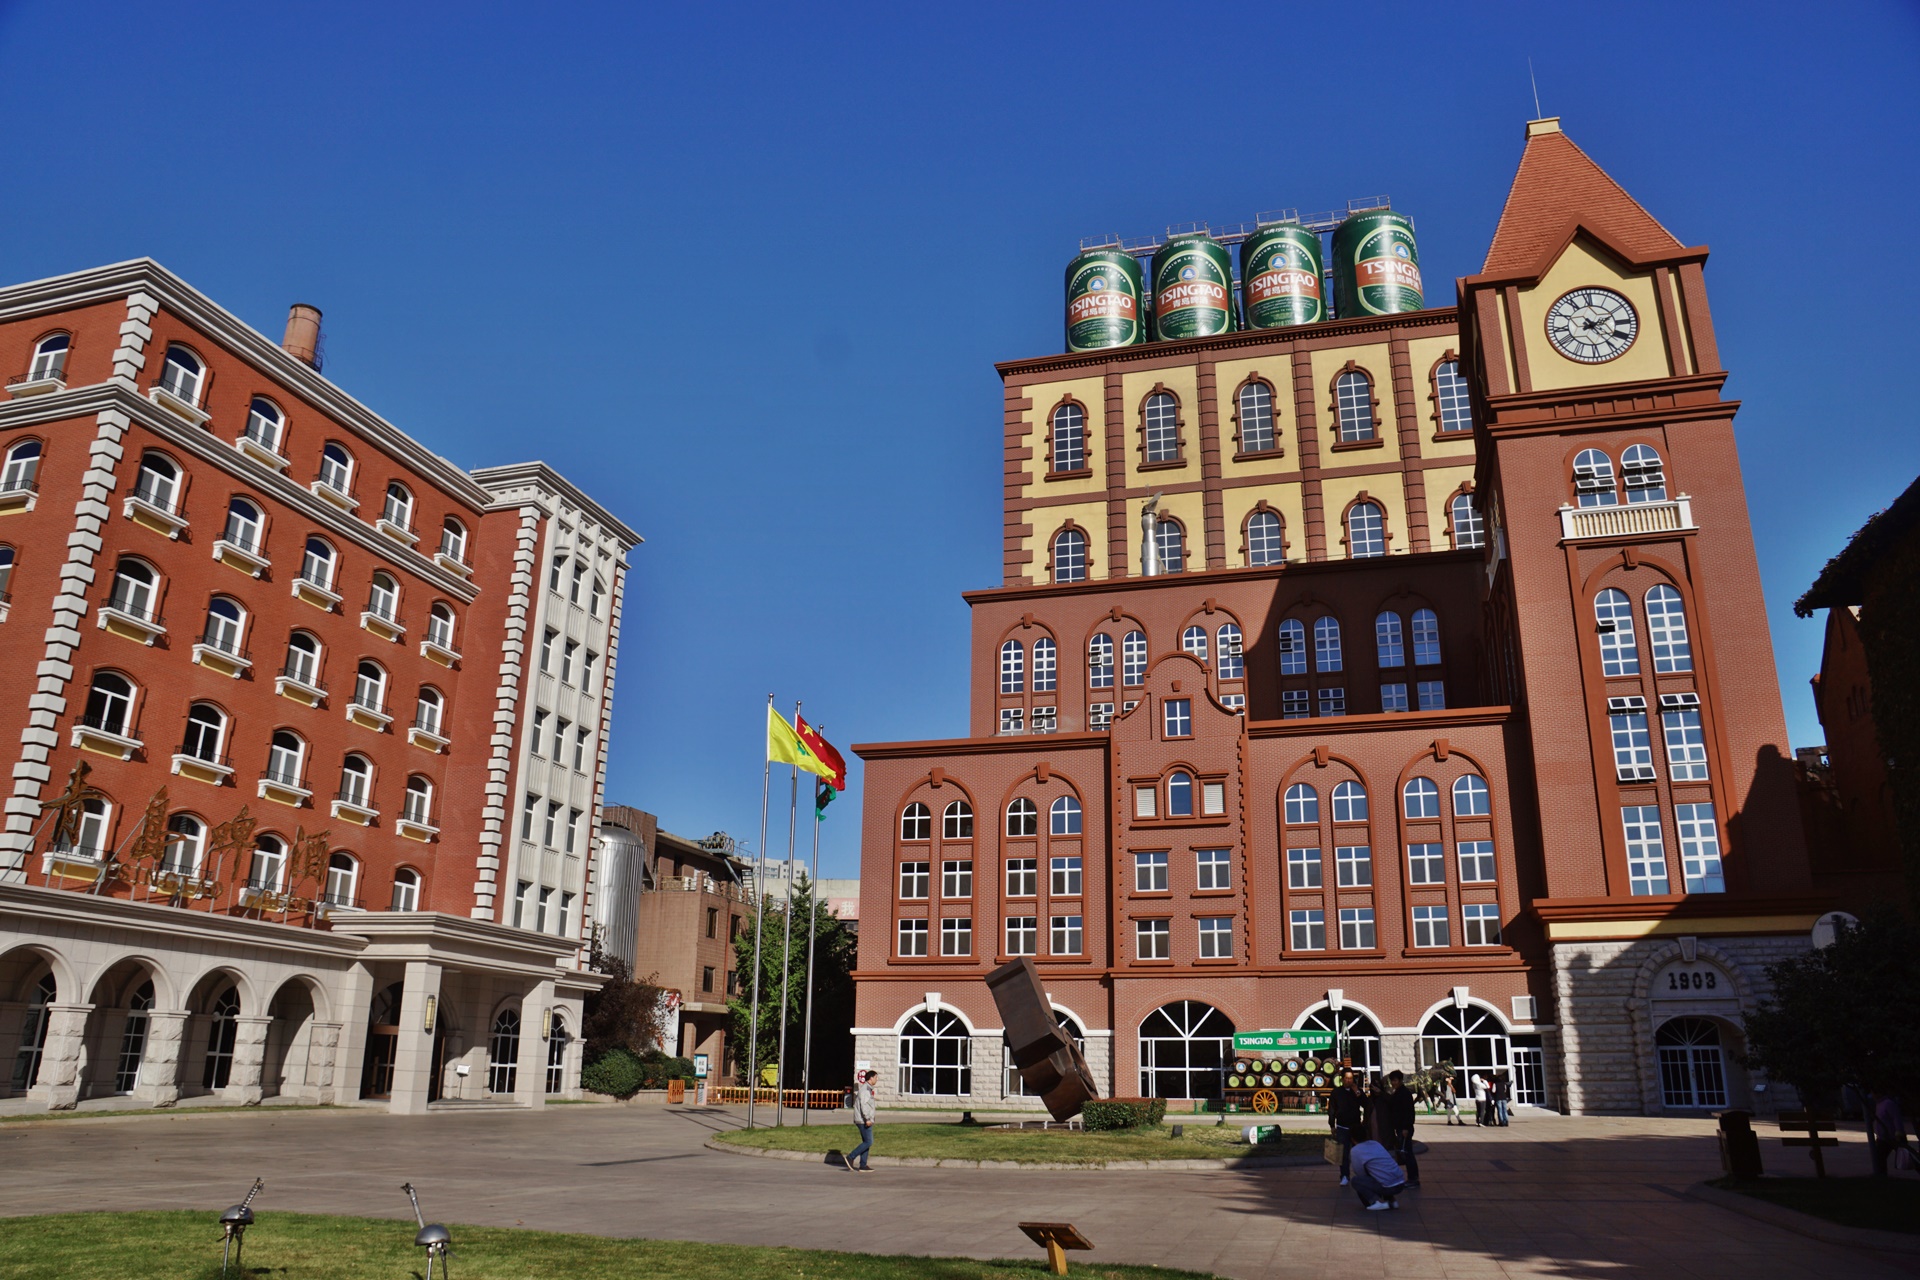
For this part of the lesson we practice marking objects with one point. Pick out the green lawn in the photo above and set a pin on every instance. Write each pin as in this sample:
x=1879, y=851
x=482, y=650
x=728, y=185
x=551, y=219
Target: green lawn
x=974, y=1142
x=298, y=1246
x=1882, y=1204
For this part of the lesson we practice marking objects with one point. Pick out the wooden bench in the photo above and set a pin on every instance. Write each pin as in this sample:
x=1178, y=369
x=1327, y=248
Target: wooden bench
x=1815, y=1125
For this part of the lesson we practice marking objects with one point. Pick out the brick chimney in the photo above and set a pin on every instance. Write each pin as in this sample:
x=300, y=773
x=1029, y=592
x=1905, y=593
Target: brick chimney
x=303, y=333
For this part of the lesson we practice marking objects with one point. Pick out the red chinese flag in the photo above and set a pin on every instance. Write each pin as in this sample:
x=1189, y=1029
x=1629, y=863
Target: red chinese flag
x=824, y=749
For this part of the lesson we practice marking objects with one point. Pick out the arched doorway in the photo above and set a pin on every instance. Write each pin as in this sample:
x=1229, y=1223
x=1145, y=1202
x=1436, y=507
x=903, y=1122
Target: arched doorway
x=503, y=1052
x=133, y=1039
x=383, y=1042
x=1693, y=1068
x=1356, y=1037
x=1472, y=1039
x=1012, y=1086
x=289, y=1041
x=936, y=1055
x=557, y=1042
x=33, y=1033
x=223, y=1033
x=1184, y=1047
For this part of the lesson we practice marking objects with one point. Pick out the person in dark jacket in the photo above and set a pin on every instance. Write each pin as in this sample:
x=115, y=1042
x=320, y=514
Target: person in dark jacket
x=1400, y=1121
x=1343, y=1117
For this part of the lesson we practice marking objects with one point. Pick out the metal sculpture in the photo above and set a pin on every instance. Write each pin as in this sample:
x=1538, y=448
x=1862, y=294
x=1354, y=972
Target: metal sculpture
x=434, y=1238
x=233, y=1227
x=1046, y=1057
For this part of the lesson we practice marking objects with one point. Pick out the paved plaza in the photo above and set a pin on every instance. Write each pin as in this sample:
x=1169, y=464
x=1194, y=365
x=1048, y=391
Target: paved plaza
x=1550, y=1196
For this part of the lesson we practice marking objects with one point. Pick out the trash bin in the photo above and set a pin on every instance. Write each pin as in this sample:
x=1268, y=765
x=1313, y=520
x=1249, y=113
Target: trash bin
x=1739, y=1145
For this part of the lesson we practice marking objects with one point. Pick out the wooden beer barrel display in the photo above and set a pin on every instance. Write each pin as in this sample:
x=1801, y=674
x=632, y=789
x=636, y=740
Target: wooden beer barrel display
x=1274, y=1071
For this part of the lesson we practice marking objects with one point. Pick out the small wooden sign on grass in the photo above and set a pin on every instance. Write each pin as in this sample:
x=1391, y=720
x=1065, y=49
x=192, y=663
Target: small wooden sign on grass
x=1057, y=1238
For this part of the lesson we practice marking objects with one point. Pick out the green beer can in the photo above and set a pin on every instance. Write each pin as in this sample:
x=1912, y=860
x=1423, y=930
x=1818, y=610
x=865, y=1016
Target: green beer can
x=1192, y=288
x=1376, y=265
x=1280, y=278
x=1103, y=301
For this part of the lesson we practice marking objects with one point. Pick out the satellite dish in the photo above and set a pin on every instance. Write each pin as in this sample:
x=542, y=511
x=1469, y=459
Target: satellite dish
x=1827, y=928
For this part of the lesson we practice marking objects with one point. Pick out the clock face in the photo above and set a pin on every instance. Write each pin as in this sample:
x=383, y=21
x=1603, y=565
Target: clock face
x=1592, y=326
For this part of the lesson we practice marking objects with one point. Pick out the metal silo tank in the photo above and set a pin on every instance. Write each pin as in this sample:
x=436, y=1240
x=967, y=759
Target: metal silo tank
x=1376, y=265
x=1280, y=277
x=1103, y=301
x=1192, y=288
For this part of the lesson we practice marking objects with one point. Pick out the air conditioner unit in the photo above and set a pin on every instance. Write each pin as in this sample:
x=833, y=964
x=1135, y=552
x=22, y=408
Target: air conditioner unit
x=1233, y=647
x=1525, y=1009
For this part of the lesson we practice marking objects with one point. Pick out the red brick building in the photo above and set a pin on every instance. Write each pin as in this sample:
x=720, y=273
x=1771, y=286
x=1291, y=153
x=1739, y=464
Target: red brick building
x=312, y=722
x=1447, y=721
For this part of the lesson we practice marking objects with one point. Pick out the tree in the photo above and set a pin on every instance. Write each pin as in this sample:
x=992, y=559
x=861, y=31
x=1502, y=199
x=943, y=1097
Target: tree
x=623, y=1014
x=834, y=953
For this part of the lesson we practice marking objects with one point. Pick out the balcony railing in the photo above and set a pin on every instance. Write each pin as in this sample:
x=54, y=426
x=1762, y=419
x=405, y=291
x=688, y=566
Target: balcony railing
x=19, y=484
x=114, y=723
x=1635, y=519
x=306, y=678
x=283, y=777
x=120, y=602
x=55, y=371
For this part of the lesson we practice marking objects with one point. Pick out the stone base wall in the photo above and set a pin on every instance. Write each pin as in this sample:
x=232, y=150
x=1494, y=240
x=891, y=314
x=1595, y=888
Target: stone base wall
x=990, y=1060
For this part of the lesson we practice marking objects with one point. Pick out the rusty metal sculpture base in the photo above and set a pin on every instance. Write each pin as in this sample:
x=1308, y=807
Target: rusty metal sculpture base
x=1046, y=1057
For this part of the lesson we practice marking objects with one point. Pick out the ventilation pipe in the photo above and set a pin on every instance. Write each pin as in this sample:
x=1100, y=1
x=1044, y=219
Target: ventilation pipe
x=303, y=333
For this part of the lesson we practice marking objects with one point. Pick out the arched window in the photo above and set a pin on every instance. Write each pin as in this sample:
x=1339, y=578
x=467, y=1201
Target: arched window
x=1170, y=542
x=23, y=465
x=1640, y=469
x=398, y=507
x=1179, y=794
x=33, y=1033
x=244, y=525
x=356, y=781
x=1593, y=479
x=557, y=1041
x=1471, y=1039
x=183, y=375
x=956, y=821
x=343, y=875
x=1100, y=662
x=1256, y=417
x=383, y=596
x=417, y=804
x=1421, y=798
x=6, y=572
x=503, y=1052
x=1070, y=556
x=1469, y=530
x=1349, y=802
x=1356, y=1037
x=1063, y=817
x=226, y=622
x=158, y=483
x=316, y=565
x=406, y=890
x=49, y=357
x=1426, y=638
x=286, y=758
x=916, y=822
x=1013, y=667
x=1693, y=1073
x=1023, y=817
x=1133, y=658
x=453, y=540
x=268, y=865
x=1163, y=428
x=1471, y=799
x=110, y=703
x=428, y=709
x=186, y=845
x=1293, y=647
x=135, y=589
x=1265, y=542
x=222, y=1034
x=1069, y=438
x=336, y=468
x=598, y=598
x=1389, y=647
x=1354, y=394
x=1194, y=641
x=264, y=423
x=1184, y=1050
x=936, y=1055
x=1456, y=407
x=1366, y=531
x=1619, y=654
x=1233, y=660
x=1303, y=804
x=1326, y=644
x=206, y=732
x=303, y=659
x=370, y=686
x=440, y=624
x=1667, y=630
x=96, y=819
x=1046, y=665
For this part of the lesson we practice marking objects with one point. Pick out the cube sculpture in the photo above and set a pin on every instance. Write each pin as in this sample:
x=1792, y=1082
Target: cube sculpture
x=1048, y=1061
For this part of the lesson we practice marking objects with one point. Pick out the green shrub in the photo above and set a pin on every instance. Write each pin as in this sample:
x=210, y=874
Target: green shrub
x=1122, y=1113
x=617, y=1073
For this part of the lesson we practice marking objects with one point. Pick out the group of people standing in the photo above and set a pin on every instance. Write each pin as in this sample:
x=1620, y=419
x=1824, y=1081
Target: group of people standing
x=1491, y=1094
x=1375, y=1133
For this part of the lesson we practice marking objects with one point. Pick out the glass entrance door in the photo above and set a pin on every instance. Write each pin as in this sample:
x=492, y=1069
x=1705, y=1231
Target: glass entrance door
x=1529, y=1072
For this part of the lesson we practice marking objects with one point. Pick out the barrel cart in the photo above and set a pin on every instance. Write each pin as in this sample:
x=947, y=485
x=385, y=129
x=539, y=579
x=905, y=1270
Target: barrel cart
x=1272, y=1071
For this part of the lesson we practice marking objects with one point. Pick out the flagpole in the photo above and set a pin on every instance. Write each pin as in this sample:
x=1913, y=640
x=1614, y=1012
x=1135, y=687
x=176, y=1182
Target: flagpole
x=759, y=921
x=813, y=914
x=786, y=949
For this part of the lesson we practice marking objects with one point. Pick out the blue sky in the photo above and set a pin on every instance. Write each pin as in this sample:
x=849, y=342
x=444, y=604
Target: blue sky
x=742, y=271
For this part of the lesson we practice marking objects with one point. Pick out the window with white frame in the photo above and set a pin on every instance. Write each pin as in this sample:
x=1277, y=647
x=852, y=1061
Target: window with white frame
x=1064, y=881
x=343, y=874
x=226, y=623
x=1179, y=794
x=1069, y=438
x=1431, y=695
x=1426, y=638
x=1013, y=667
x=1150, y=872
x=1667, y=631
x=1133, y=658
x=1067, y=936
x=92, y=839
x=1256, y=417
x=109, y=703
x=1353, y=394
x=1099, y=716
x=1642, y=475
x=1063, y=816
x=1480, y=924
x=182, y=375
x=1307, y=930
x=1426, y=864
x=1023, y=877
x=186, y=845
x=1302, y=804
x=1177, y=717
x=22, y=467
x=1070, y=556
x=135, y=589
x=1023, y=935
x=1476, y=861
x=265, y=423
x=1170, y=543
x=1153, y=939
x=1326, y=644
x=1471, y=799
x=936, y=1054
x=556, y=574
x=370, y=686
x=915, y=879
x=1593, y=479
x=913, y=938
x=575, y=821
x=597, y=598
x=1349, y=802
x=1700, y=848
x=336, y=467
x=1366, y=531
x=916, y=822
x=397, y=509
x=1469, y=529
x=1632, y=744
x=1194, y=641
x=417, y=804
x=1163, y=428
x=956, y=821
x=1233, y=662
x=1213, y=869
x=1388, y=641
x=286, y=758
x=1303, y=869
x=453, y=540
x=1420, y=798
x=268, y=864
x=158, y=484
x=1266, y=539
x=569, y=658
x=49, y=357
x=1356, y=929
x=303, y=658
x=1100, y=662
x=1295, y=705
x=1046, y=665
x=206, y=732
x=1216, y=937
x=406, y=890
x=1430, y=927
x=1293, y=647
x=317, y=564
x=428, y=710
x=1013, y=720
x=1686, y=742
x=1353, y=865
x=1450, y=393
x=956, y=936
x=1646, y=850
x=440, y=625
x=383, y=597
x=1023, y=817
x=956, y=878
x=1613, y=615
x=244, y=525
x=356, y=781
x=580, y=737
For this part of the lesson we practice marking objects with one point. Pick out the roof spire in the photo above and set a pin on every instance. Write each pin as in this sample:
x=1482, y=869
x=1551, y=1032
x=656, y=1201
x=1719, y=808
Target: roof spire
x=1557, y=186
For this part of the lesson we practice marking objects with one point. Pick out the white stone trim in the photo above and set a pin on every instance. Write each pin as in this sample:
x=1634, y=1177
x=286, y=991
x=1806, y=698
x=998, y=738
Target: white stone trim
x=496, y=811
x=944, y=1007
x=1300, y=1021
x=1506, y=1023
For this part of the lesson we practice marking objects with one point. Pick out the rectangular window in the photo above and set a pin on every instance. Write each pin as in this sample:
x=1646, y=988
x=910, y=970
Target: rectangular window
x=1308, y=930
x=1100, y=716
x=1390, y=651
x=915, y=879
x=1133, y=659
x=520, y=895
x=586, y=672
x=913, y=937
x=1686, y=745
x=1646, y=850
x=1066, y=878
x=956, y=879
x=713, y=923
x=568, y=656
x=1045, y=719
x=1476, y=861
x=1354, y=864
x=1303, y=869
x=1393, y=697
x=1013, y=667
x=1356, y=929
x=1632, y=742
x=1234, y=702
x=574, y=817
x=1023, y=877
x=1150, y=872
x=539, y=730
x=1023, y=936
x=1293, y=704
x=540, y=910
x=526, y=816
x=1153, y=939
x=566, y=914
x=1333, y=702
x=733, y=982
x=546, y=651
x=956, y=937
x=1433, y=695
x=580, y=737
x=706, y=978
x=552, y=826
x=1426, y=864
x=1146, y=802
x=1430, y=927
x=1700, y=848
x=1216, y=937
x=1013, y=720
x=1213, y=799
x=1178, y=717
x=1045, y=666
x=1066, y=935
x=1215, y=872
x=1480, y=922
x=560, y=740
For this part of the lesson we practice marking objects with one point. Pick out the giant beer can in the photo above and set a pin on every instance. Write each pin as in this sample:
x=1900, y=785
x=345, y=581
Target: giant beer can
x=1103, y=301
x=1192, y=288
x=1376, y=266
x=1280, y=278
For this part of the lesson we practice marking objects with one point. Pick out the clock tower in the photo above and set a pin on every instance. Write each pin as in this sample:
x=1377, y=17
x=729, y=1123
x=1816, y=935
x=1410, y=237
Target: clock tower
x=1625, y=622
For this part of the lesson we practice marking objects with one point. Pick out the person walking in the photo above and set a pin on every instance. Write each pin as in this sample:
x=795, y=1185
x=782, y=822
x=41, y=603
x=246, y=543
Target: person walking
x=1400, y=1120
x=1502, y=1091
x=1450, y=1102
x=1479, y=1099
x=863, y=1112
x=1377, y=1178
x=1343, y=1117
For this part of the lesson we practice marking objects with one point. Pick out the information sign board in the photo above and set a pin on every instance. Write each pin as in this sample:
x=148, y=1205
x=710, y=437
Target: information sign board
x=1282, y=1042
x=700, y=1066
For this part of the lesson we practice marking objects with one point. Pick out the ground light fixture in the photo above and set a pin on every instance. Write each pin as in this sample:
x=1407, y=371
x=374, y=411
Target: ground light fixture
x=434, y=1238
x=234, y=1221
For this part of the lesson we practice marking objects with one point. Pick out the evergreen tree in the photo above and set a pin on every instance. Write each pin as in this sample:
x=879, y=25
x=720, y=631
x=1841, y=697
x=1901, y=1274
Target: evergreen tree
x=834, y=954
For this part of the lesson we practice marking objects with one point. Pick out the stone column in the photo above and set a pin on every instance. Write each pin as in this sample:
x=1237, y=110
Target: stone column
x=413, y=1056
x=249, y=1060
x=322, y=1047
x=59, y=1081
x=159, y=1082
x=531, y=1087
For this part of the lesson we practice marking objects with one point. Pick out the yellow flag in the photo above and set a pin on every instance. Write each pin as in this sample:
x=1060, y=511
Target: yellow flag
x=785, y=747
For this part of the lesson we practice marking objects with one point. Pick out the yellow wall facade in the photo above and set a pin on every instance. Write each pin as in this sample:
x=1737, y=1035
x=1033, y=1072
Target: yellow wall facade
x=1585, y=265
x=1376, y=362
x=1276, y=371
x=1184, y=383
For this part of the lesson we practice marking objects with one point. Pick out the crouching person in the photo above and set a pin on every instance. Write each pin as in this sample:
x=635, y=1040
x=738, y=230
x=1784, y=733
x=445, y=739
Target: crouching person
x=1377, y=1177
